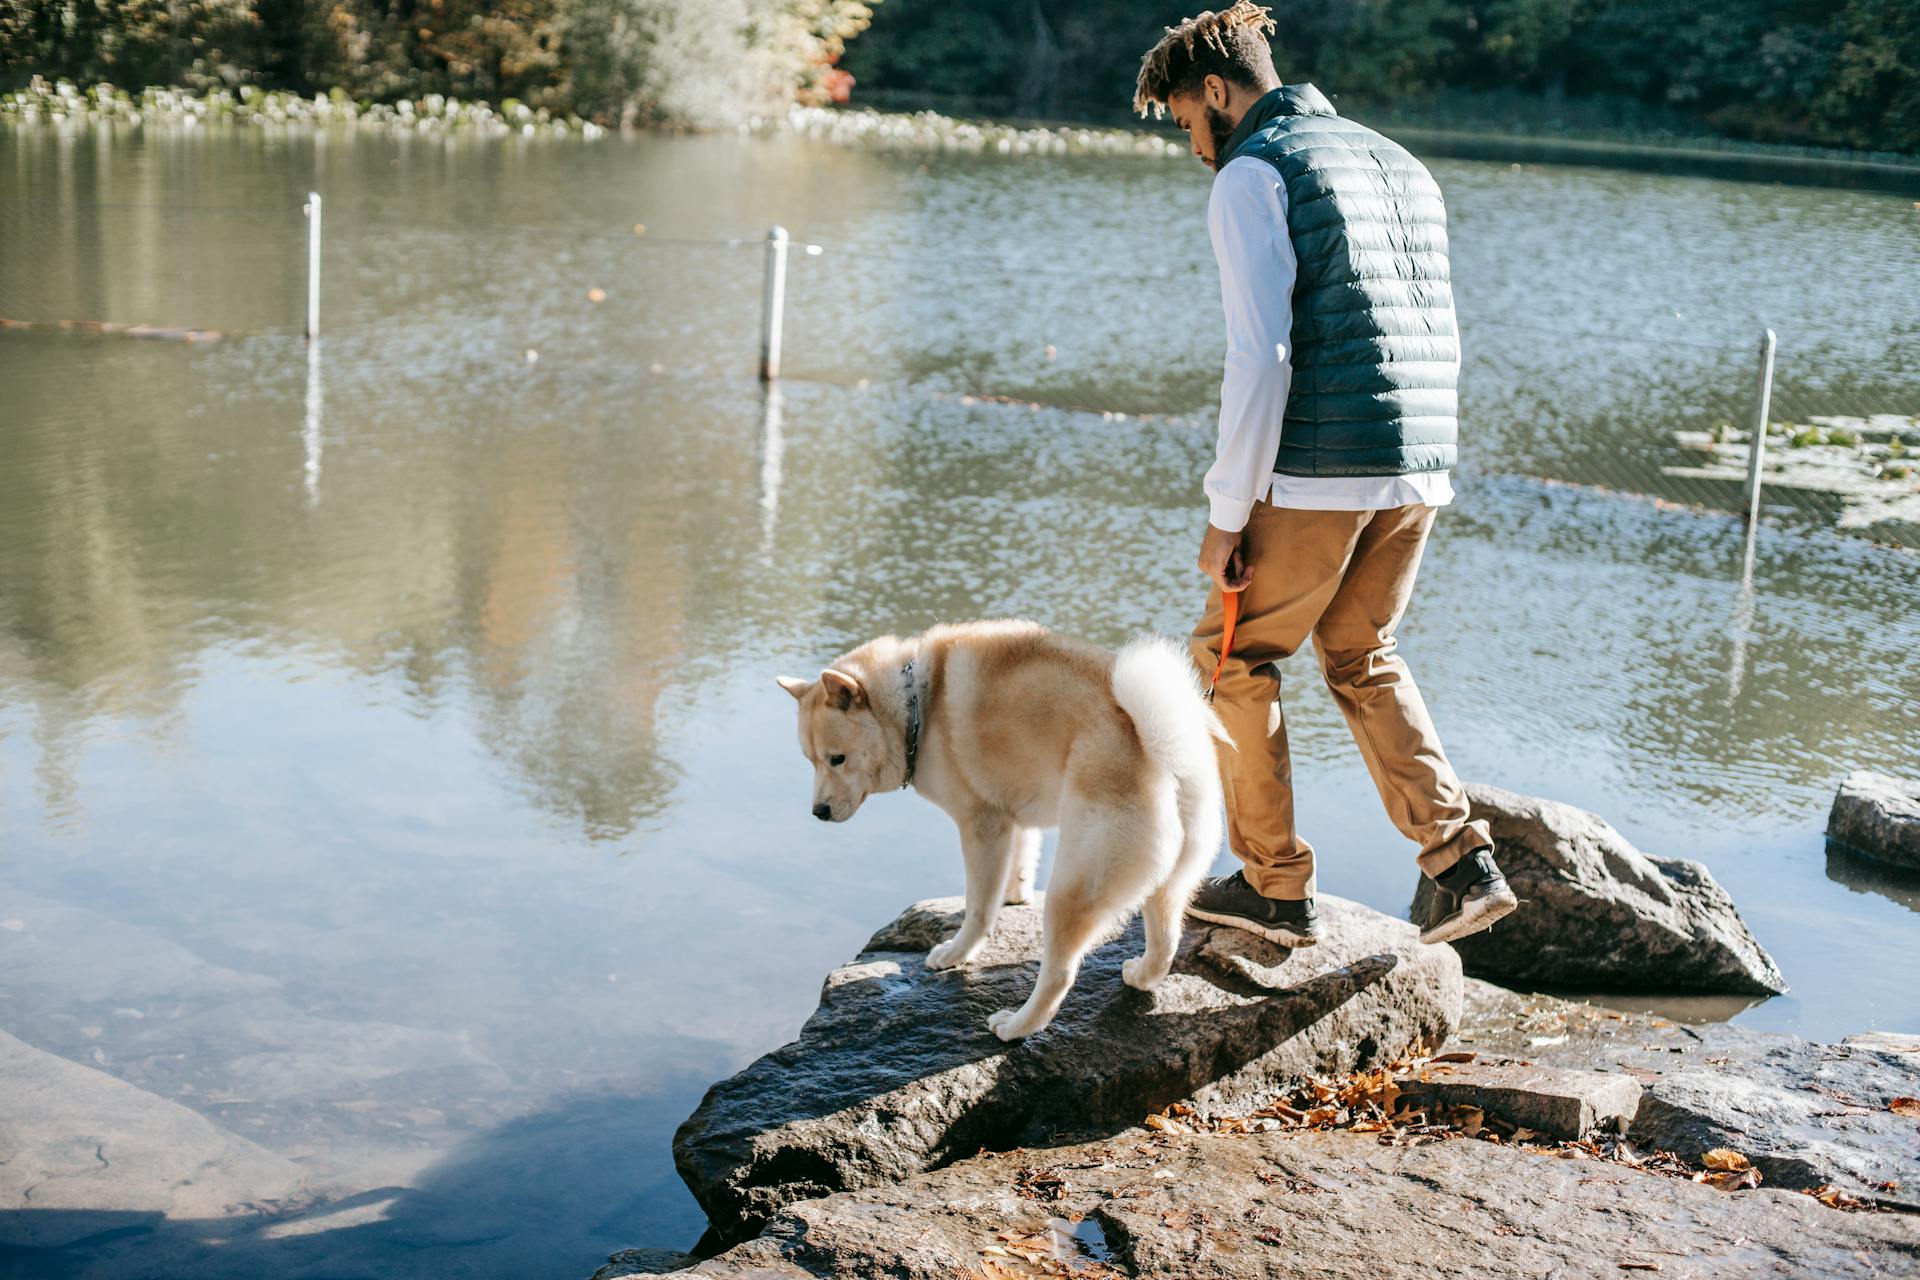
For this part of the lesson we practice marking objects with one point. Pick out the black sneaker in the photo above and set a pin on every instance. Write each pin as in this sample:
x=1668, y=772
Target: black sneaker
x=1230, y=900
x=1467, y=897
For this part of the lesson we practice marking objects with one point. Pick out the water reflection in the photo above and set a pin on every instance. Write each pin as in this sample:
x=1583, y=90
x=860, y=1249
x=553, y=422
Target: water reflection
x=1864, y=875
x=311, y=425
x=773, y=447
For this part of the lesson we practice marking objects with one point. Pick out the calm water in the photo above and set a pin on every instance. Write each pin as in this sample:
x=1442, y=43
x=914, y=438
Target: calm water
x=391, y=768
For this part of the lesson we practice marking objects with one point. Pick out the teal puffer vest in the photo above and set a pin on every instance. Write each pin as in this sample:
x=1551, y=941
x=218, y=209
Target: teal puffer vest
x=1374, y=347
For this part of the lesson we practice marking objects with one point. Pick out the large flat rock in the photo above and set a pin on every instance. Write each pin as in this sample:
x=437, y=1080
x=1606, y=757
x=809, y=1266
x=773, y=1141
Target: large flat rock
x=75, y=1142
x=896, y=1072
x=1333, y=1206
x=1878, y=815
x=1807, y=1115
x=1598, y=914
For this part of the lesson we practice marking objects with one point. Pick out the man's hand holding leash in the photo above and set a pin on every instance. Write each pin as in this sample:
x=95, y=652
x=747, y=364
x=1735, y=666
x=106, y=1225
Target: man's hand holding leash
x=1220, y=559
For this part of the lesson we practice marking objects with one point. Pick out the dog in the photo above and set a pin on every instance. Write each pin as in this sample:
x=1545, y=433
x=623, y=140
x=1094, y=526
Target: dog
x=1011, y=729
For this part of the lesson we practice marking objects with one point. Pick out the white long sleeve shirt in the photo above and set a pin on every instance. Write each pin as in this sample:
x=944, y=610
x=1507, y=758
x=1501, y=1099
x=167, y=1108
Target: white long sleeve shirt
x=1247, y=221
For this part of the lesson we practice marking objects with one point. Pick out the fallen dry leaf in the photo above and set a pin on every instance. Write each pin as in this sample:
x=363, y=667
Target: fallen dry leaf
x=1905, y=1107
x=1039, y=1184
x=1725, y=1160
x=1834, y=1198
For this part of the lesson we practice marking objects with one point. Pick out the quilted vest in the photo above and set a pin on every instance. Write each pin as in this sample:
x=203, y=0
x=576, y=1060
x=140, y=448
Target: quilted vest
x=1375, y=353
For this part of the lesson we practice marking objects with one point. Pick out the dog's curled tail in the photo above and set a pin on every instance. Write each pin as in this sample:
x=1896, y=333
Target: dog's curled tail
x=1155, y=683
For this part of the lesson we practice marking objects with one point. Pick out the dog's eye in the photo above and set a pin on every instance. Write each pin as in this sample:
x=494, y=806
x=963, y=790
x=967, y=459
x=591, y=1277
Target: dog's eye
x=836, y=761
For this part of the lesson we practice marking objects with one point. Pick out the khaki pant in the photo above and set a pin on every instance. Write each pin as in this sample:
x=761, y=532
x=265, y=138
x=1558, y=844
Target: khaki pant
x=1344, y=578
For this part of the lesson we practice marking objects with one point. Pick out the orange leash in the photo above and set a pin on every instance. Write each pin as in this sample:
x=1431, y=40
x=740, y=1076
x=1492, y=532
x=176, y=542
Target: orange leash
x=1230, y=603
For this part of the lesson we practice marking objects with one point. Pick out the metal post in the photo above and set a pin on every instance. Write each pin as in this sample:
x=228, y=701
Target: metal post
x=776, y=304
x=1757, y=447
x=313, y=265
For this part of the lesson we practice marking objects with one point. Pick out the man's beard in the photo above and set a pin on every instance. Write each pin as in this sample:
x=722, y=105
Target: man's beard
x=1220, y=129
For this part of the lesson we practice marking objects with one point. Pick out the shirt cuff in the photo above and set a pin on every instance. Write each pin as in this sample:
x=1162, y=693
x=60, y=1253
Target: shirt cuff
x=1228, y=515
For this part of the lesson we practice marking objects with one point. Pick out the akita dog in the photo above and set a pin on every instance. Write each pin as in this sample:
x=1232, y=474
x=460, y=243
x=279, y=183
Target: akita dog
x=1011, y=729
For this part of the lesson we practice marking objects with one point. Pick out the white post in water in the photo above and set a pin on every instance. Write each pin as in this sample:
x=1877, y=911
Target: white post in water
x=313, y=265
x=1757, y=447
x=776, y=304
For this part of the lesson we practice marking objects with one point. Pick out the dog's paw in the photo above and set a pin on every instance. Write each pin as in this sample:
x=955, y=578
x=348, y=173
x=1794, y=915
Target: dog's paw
x=1135, y=974
x=949, y=955
x=1008, y=1025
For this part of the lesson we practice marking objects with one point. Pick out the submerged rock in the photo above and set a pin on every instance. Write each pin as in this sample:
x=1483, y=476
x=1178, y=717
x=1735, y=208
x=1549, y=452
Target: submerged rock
x=1597, y=913
x=79, y=1148
x=643, y=1262
x=1337, y=1205
x=1878, y=815
x=896, y=1072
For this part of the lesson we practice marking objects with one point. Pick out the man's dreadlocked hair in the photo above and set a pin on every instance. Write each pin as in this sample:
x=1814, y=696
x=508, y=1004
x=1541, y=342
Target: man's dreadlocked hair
x=1231, y=44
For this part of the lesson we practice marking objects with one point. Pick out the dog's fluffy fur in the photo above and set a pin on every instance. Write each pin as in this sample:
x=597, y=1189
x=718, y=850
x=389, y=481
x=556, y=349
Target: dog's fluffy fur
x=1023, y=730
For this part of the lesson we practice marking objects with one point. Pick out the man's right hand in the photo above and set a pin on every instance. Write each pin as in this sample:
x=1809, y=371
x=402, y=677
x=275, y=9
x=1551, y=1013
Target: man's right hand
x=1220, y=559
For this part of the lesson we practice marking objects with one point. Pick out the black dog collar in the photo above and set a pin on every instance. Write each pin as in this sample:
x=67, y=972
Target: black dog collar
x=913, y=722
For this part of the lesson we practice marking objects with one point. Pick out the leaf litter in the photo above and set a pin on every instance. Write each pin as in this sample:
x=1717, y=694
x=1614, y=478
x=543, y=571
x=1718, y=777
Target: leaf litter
x=1371, y=1102
x=1368, y=1101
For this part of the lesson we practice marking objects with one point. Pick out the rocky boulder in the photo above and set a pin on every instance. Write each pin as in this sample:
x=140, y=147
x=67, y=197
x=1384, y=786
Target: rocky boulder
x=1598, y=914
x=897, y=1073
x=1808, y=1115
x=1878, y=816
x=1332, y=1205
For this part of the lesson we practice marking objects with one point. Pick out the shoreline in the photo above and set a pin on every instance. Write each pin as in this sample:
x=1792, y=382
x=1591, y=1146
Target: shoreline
x=65, y=105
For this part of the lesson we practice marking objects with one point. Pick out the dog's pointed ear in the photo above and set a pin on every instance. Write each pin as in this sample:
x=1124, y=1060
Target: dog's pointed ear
x=846, y=690
x=795, y=686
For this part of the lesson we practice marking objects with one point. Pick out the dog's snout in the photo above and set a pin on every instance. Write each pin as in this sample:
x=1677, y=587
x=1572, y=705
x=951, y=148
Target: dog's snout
x=824, y=812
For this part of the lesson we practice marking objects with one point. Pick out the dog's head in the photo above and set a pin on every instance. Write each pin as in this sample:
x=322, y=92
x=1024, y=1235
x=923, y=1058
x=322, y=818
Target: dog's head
x=841, y=736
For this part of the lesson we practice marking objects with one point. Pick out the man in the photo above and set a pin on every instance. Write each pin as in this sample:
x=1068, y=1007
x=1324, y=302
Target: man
x=1337, y=432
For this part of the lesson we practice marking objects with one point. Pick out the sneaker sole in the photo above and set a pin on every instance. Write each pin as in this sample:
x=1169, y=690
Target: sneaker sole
x=1278, y=936
x=1472, y=918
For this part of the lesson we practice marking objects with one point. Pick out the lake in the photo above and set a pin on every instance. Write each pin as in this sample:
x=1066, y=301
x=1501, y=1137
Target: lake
x=391, y=766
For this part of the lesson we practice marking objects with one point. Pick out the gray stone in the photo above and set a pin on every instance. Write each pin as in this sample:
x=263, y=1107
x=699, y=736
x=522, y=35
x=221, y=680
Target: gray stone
x=643, y=1262
x=1336, y=1206
x=1550, y=1100
x=896, y=1071
x=1807, y=1115
x=1598, y=914
x=1884, y=1042
x=1878, y=815
x=75, y=1142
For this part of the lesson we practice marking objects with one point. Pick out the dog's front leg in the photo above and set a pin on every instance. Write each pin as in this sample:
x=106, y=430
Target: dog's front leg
x=987, y=844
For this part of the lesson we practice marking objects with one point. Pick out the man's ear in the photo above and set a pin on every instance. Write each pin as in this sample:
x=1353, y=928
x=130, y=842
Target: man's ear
x=1215, y=90
x=845, y=689
x=795, y=686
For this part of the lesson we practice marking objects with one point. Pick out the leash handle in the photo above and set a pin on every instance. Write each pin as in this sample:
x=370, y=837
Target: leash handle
x=1230, y=605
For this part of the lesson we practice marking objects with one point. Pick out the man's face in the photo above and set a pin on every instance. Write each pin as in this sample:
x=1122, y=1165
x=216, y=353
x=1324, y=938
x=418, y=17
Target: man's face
x=1206, y=124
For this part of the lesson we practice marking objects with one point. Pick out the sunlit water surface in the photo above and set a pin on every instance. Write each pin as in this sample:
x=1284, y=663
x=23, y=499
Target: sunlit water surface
x=391, y=767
